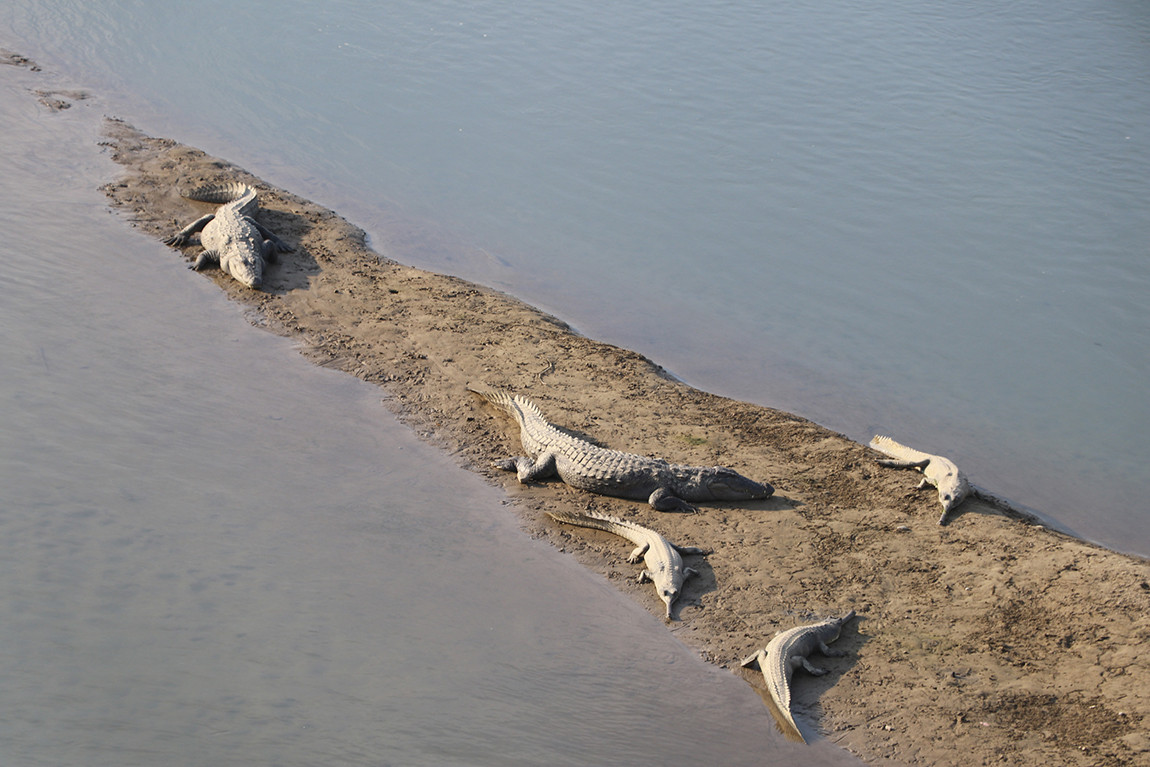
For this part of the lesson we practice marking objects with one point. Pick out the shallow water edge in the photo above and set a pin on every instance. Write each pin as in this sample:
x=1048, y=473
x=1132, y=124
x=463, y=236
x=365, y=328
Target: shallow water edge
x=215, y=551
x=840, y=532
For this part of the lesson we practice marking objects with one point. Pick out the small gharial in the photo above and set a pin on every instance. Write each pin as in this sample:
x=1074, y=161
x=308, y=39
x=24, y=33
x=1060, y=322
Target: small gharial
x=952, y=485
x=664, y=485
x=231, y=236
x=663, y=559
x=787, y=651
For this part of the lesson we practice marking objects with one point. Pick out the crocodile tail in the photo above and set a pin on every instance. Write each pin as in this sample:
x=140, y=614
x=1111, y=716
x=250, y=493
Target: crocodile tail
x=589, y=519
x=501, y=399
x=515, y=404
x=897, y=449
x=900, y=451
x=886, y=445
x=784, y=720
x=219, y=193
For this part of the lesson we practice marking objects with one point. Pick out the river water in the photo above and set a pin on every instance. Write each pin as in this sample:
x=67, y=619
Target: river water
x=214, y=552
x=925, y=219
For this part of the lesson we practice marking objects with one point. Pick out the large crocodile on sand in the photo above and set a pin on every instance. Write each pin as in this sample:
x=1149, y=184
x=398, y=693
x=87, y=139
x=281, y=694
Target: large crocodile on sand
x=664, y=564
x=787, y=651
x=936, y=470
x=664, y=485
x=231, y=236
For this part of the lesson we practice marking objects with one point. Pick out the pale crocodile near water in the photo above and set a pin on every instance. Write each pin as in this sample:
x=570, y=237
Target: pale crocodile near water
x=231, y=236
x=664, y=485
x=663, y=559
x=788, y=651
x=941, y=472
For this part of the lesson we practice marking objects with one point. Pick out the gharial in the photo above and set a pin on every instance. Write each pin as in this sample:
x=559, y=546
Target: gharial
x=941, y=472
x=664, y=564
x=664, y=485
x=787, y=651
x=231, y=236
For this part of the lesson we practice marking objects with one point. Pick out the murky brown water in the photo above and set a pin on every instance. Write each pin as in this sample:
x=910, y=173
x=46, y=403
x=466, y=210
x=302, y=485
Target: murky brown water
x=212, y=552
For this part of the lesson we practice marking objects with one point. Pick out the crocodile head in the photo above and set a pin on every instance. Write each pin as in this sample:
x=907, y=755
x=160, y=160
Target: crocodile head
x=952, y=490
x=840, y=623
x=248, y=268
x=950, y=495
x=722, y=484
x=668, y=594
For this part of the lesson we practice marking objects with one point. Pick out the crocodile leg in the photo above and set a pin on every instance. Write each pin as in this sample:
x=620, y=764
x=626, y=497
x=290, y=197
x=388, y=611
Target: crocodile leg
x=528, y=470
x=206, y=258
x=689, y=549
x=638, y=553
x=181, y=237
x=266, y=233
x=831, y=652
x=269, y=252
x=664, y=500
x=814, y=670
x=893, y=464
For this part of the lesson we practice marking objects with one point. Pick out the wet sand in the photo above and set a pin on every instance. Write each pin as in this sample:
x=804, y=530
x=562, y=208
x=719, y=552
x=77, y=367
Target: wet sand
x=990, y=640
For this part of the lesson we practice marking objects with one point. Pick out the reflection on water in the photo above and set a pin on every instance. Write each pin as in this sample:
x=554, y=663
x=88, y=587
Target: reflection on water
x=212, y=552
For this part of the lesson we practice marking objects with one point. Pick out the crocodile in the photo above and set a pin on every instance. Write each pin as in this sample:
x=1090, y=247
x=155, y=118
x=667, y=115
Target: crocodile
x=786, y=652
x=936, y=470
x=231, y=236
x=663, y=559
x=664, y=485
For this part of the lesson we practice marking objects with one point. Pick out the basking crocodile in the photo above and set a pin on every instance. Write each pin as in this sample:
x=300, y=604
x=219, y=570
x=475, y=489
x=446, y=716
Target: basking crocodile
x=936, y=470
x=666, y=486
x=786, y=652
x=231, y=237
x=664, y=564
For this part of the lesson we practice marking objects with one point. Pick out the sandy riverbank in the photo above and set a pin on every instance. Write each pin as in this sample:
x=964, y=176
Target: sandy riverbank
x=991, y=640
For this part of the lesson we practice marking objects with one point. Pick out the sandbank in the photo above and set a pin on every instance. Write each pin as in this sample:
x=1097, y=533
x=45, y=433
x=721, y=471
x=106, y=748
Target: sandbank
x=991, y=640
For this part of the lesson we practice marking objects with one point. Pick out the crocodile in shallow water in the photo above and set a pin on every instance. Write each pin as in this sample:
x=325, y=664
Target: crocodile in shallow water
x=666, y=486
x=936, y=470
x=231, y=236
x=787, y=651
x=664, y=564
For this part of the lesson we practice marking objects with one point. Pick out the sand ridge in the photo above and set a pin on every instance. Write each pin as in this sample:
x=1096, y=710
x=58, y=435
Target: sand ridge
x=992, y=640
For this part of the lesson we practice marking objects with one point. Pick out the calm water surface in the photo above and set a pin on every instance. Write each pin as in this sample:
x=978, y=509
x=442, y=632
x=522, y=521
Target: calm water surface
x=213, y=552
x=926, y=219
x=922, y=218
x=916, y=218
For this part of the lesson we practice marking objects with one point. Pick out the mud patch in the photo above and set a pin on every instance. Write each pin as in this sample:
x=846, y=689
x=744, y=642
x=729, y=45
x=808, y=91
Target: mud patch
x=58, y=101
x=1084, y=725
x=16, y=60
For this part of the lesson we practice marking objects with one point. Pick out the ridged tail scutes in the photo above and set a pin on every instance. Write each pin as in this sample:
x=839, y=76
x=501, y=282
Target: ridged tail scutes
x=588, y=519
x=885, y=444
x=785, y=721
x=498, y=397
x=515, y=404
x=219, y=193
